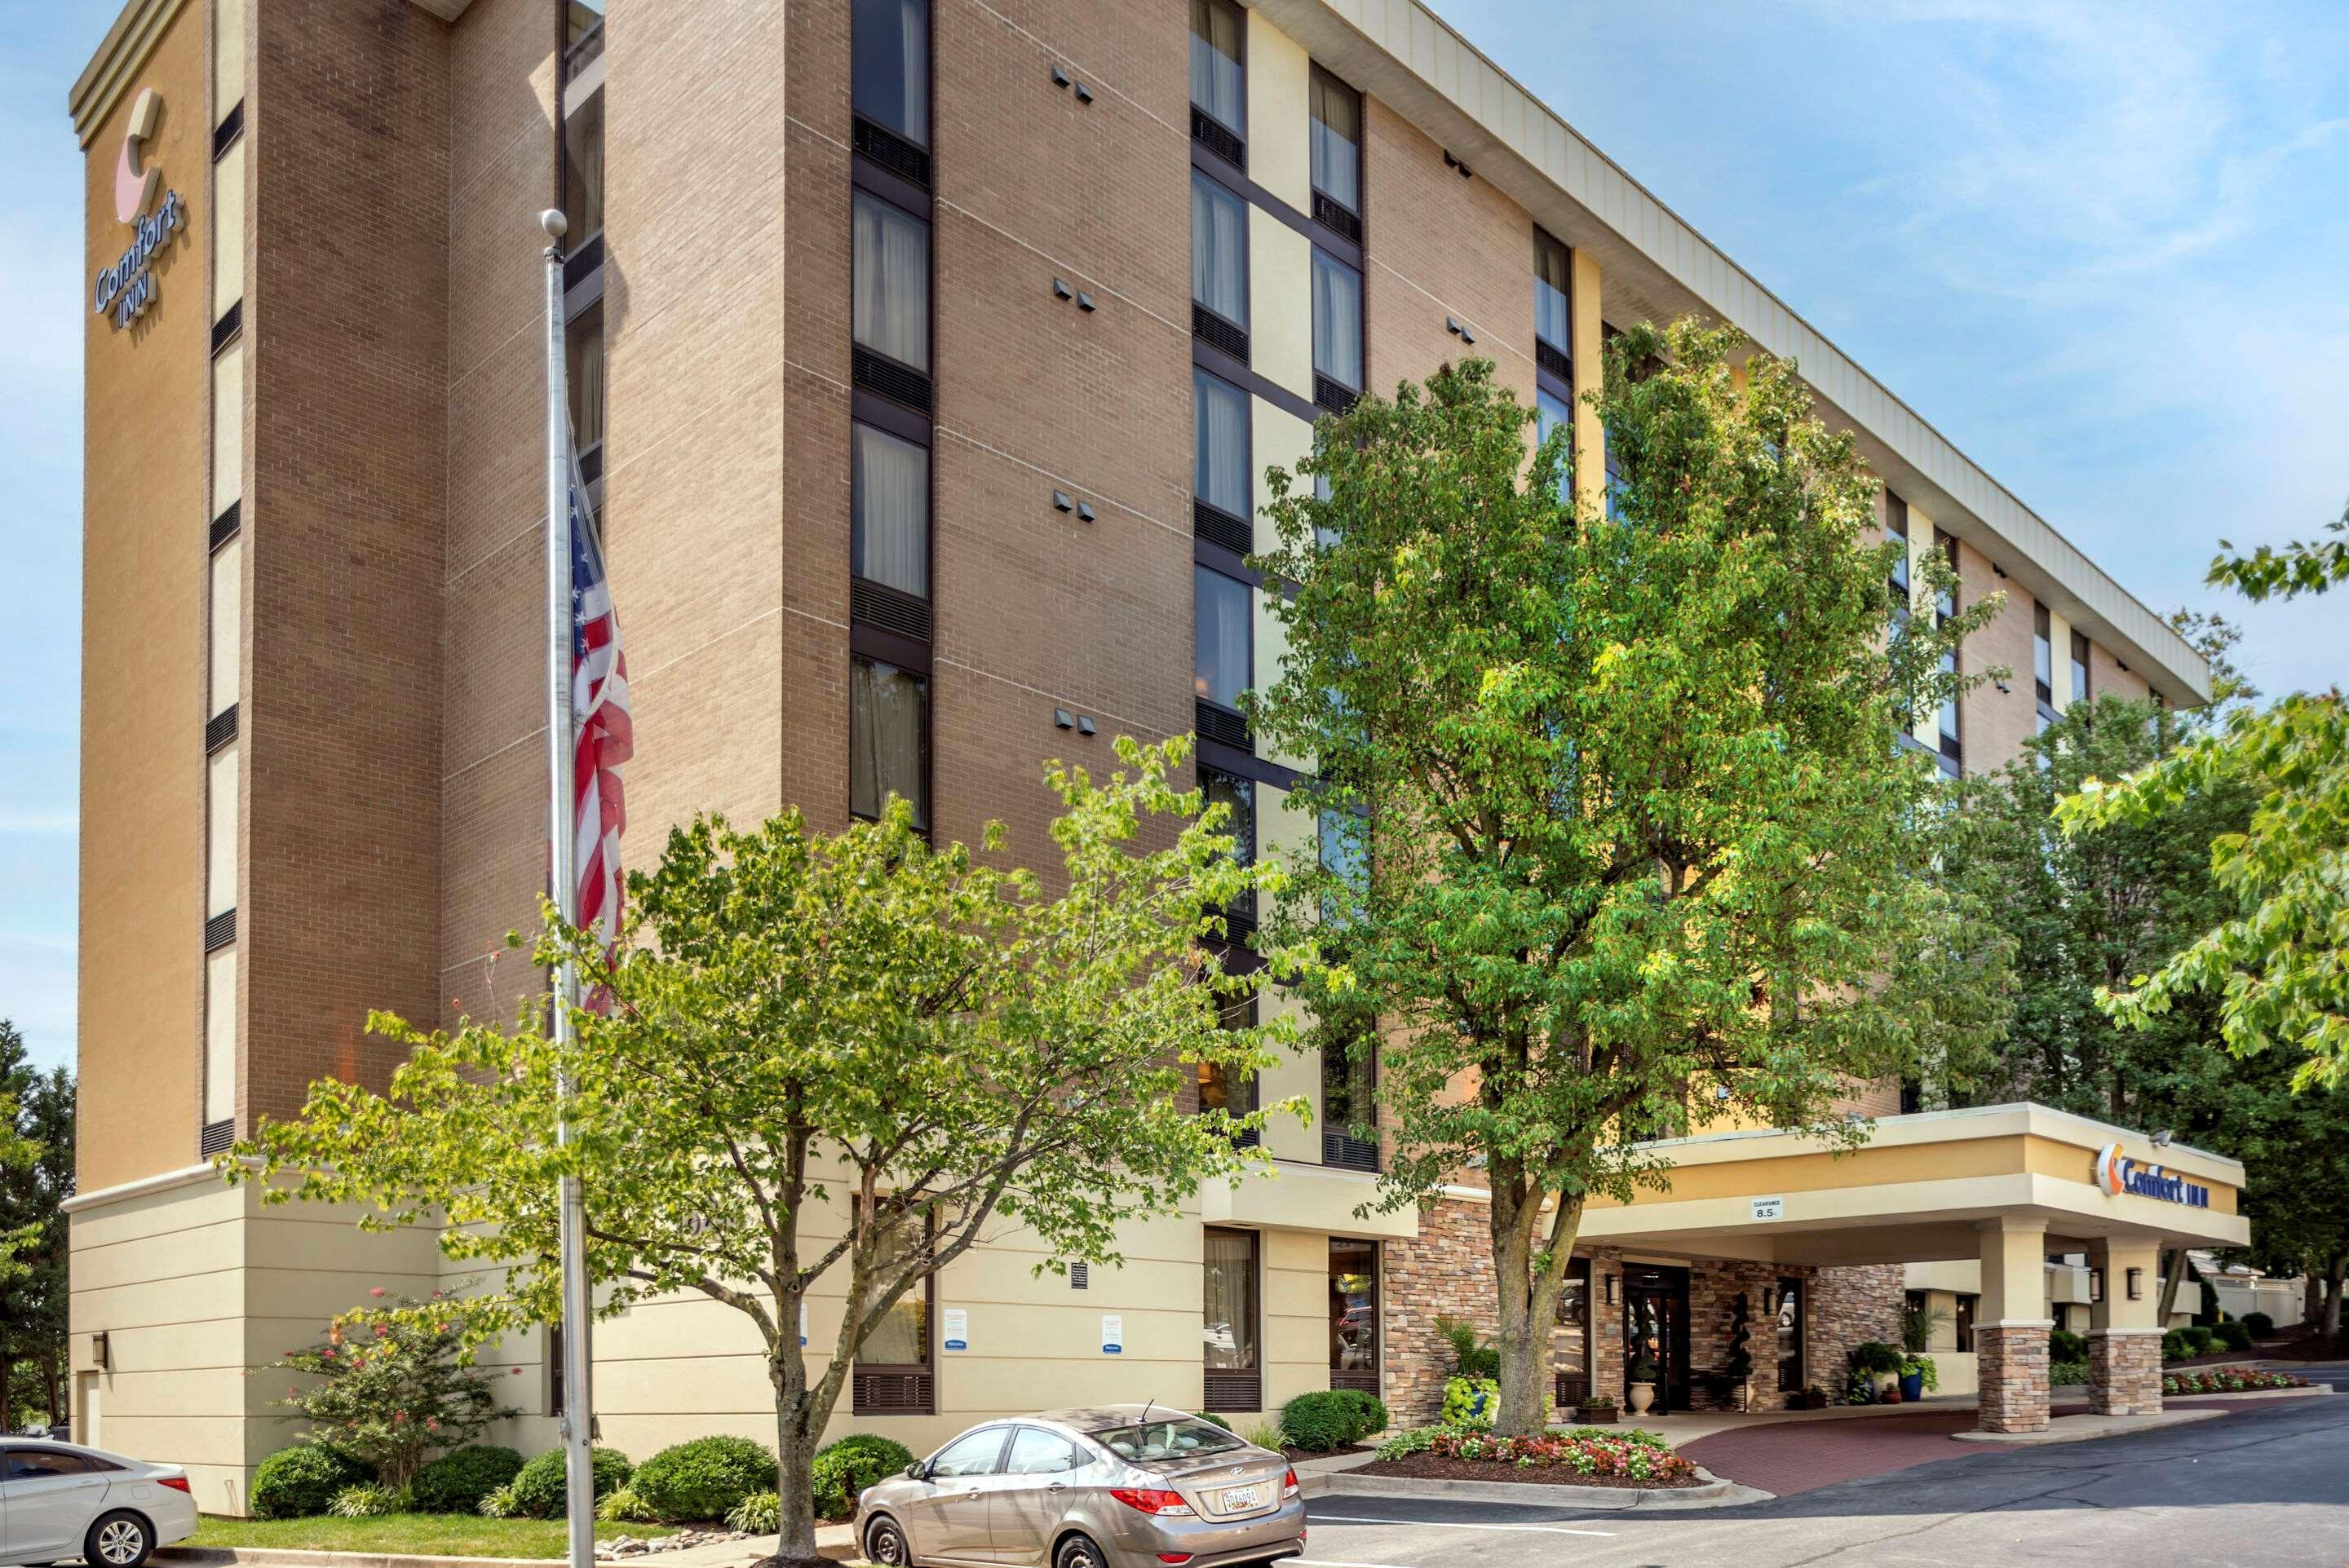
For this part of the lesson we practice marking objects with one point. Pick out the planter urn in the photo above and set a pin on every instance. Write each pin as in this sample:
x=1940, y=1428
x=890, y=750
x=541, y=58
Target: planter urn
x=1912, y=1386
x=1642, y=1395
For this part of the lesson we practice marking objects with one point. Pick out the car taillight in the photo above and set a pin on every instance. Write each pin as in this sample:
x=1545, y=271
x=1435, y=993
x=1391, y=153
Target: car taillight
x=176, y=1482
x=1152, y=1500
x=1288, y=1486
x=1174, y=1557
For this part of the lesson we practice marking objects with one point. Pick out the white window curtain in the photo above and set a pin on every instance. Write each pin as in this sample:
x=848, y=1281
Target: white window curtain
x=1229, y=1325
x=1219, y=425
x=584, y=338
x=892, y=69
x=583, y=168
x=1220, y=610
x=889, y=536
x=887, y=720
x=1218, y=80
x=1551, y=318
x=891, y=308
x=1218, y=250
x=1337, y=321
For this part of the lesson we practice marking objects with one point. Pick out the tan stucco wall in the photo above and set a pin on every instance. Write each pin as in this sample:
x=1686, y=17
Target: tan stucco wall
x=145, y=445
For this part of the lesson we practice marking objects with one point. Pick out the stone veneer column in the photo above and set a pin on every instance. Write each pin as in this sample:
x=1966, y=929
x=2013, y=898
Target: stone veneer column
x=2123, y=1340
x=2010, y=1335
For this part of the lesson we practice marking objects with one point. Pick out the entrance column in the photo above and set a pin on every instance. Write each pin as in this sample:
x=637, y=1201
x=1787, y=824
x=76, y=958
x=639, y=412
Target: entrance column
x=2123, y=1340
x=2011, y=1333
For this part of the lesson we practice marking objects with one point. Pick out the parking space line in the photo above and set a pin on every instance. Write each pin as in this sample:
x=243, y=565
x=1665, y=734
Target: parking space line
x=1454, y=1524
x=1329, y=1563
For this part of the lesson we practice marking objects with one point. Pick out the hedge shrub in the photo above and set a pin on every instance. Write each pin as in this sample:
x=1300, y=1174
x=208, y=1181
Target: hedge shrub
x=706, y=1478
x=1369, y=1413
x=302, y=1481
x=863, y=1458
x=2233, y=1336
x=2062, y=1373
x=541, y=1490
x=2200, y=1338
x=2258, y=1324
x=1327, y=1420
x=2063, y=1345
x=2173, y=1345
x=458, y=1480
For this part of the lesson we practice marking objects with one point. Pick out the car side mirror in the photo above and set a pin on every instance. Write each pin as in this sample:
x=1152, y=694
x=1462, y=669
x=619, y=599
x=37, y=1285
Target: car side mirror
x=918, y=1471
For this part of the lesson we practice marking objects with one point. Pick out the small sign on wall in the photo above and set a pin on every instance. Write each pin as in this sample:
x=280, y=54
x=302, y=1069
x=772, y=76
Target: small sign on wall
x=1112, y=1334
x=958, y=1329
x=1769, y=1208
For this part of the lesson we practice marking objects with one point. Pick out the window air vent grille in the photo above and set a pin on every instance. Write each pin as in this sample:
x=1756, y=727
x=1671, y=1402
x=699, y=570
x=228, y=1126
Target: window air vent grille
x=1221, y=724
x=220, y=730
x=891, y=609
x=231, y=127
x=225, y=526
x=1548, y=356
x=218, y=1136
x=1216, y=333
x=1211, y=133
x=1331, y=215
x=1234, y=1391
x=1334, y=397
x=220, y=930
x=1361, y=1382
x=898, y=383
x=911, y=1393
x=891, y=152
x=1344, y=1152
x=225, y=330
x=1217, y=526
x=1573, y=1389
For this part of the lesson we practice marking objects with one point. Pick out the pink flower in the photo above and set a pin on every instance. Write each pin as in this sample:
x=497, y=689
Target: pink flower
x=328, y=1353
x=398, y=1417
x=381, y=1329
x=432, y=1426
x=377, y=1291
x=517, y=1371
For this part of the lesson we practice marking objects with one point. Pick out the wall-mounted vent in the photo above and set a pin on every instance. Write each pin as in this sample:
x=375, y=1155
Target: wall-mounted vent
x=1217, y=526
x=892, y=610
x=220, y=730
x=1550, y=357
x=894, y=1393
x=1339, y=219
x=218, y=1136
x=891, y=152
x=1216, y=333
x=1221, y=724
x=1334, y=397
x=1216, y=138
x=898, y=383
x=220, y=930
x=226, y=525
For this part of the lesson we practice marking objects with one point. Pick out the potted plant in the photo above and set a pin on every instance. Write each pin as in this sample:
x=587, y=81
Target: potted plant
x=1878, y=1362
x=1811, y=1399
x=1642, y=1379
x=1596, y=1411
x=1919, y=1375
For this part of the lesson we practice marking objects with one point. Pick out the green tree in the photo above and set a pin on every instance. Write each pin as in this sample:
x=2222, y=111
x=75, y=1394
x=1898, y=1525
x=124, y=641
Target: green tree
x=37, y=1175
x=1630, y=781
x=390, y=1384
x=842, y=1057
x=2277, y=963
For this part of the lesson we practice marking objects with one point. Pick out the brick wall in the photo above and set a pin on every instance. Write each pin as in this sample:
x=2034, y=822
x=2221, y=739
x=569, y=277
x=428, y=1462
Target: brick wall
x=1848, y=1307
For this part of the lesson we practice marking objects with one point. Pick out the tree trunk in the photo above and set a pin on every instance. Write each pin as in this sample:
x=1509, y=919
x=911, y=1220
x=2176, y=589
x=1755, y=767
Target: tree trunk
x=1528, y=1300
x=2311, y=1296
x=2332, y=1278
x=795, y=1446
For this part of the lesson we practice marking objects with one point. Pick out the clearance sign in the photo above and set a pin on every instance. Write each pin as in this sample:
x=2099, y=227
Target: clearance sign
x=2117, y=1173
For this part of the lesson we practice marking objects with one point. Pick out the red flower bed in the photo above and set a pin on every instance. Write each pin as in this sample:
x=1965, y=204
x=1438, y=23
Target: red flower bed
x=1584, y=1456
x=2227, y=1382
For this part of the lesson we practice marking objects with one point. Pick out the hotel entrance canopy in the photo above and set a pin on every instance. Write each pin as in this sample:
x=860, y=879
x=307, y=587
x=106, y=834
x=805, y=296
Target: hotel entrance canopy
x=1925, y=1188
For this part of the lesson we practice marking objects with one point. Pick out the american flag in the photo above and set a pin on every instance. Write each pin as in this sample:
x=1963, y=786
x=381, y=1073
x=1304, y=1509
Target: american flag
x=601, y=737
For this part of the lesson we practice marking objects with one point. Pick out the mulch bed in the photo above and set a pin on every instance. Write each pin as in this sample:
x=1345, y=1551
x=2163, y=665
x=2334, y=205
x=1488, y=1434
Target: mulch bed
x=1433, y=1467
x=2307, y=1348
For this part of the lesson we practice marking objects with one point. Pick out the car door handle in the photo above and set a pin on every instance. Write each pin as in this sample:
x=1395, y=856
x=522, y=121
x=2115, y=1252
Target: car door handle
x=1058, y=1486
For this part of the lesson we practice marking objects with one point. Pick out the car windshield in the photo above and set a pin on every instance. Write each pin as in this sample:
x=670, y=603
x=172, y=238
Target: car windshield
x=1179, y=1437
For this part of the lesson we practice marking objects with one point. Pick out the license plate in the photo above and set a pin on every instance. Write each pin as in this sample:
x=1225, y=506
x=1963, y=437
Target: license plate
x=1237, y=1498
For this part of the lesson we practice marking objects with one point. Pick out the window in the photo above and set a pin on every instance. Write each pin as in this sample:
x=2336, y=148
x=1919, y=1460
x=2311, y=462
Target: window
x=1553, y=314
x=891, y=67
x=1218, y=63
x=1337, y=130
x=2043, y=653
x=1619, y=481
x=889, y=738
x=2079, y=692
x=1219, y=457
x=1946, y=603
x=44, y=1464
x=1219, y=265
x=1946, y=608
x=1035, y=1451
x=583, y=32
x=1790, y=1337
x=583, y=170
x=1348, y=1101
x=889, y=511
x=890, y=312
x=1353, y=1313
x=978, y=1453
x=1226, y=638
x=1345, y=855
x=1896, y=526
x=1551, y=414
x=1230, y=1322
x=583, y=343
x=1964, y=1317
x=1569, y=1336
x=1337, y=322
x=902, y=1337
x=1220, y=1089
x=1230, y=789
x=1178, y=1437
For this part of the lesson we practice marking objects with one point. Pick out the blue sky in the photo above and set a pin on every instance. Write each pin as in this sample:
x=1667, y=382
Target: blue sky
x=2100, y=245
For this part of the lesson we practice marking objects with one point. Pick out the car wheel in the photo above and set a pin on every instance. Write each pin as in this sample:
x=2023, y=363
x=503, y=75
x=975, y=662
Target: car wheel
x=118, y=1540
x=885, y=1545
x=1079, y=1552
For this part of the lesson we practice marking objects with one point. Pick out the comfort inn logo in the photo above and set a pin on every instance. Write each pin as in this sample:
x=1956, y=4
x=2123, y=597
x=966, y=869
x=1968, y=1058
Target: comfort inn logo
x=124, y=291
x=2117, y=1173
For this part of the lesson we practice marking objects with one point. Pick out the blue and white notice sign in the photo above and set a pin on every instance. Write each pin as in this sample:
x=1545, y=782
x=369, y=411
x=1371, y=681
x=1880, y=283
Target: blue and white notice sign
x=1112, y=1334
x=957, y=1329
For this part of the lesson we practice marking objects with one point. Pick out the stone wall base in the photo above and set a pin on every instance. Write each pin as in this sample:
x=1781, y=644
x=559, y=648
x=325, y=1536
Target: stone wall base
x=2013, y=1362
x=2124, y=1371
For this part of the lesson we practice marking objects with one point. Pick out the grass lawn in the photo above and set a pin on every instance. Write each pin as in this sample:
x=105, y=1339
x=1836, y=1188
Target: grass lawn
x=412, y=1535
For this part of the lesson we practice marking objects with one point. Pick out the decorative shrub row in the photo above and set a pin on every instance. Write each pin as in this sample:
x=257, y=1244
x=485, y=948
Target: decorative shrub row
x=2063, y=1345
x=1599, y=1456
x=302, y=1481
x=1326, y=1420
x=2227, y=1380
x=458, y=1480
x=2061, y=1374
x=845, y=1468
x=1423, y=1440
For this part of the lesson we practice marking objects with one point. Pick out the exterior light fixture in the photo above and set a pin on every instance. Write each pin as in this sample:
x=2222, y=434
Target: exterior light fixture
x=2136, y=1285
x=1609, y=1280
x=2095, y=1286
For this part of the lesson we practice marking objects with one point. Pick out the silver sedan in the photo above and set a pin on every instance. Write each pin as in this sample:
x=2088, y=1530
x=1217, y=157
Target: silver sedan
x=58, y=1501
x=1117, y=1486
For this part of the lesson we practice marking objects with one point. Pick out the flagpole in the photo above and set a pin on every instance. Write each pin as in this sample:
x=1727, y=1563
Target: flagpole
x=578, y=1425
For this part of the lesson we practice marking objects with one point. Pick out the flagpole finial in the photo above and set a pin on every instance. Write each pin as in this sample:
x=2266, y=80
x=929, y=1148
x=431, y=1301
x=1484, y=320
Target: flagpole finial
x=555, y=224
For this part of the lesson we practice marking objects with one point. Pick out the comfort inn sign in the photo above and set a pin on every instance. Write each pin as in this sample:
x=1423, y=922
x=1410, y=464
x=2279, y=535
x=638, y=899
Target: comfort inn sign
x=2117, y=1173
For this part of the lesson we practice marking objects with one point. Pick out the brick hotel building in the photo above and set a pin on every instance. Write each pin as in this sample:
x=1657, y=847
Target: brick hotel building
x=925, y=448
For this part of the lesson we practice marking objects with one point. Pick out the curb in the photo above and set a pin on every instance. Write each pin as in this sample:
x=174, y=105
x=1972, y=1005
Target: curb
x=1715, y=1492
x=2326, y=1388
x=2054, y=1435
x=843, y=1549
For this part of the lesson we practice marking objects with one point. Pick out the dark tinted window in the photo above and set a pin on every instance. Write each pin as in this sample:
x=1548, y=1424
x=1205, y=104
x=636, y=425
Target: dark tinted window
x=891, y=67
x=34, y=1464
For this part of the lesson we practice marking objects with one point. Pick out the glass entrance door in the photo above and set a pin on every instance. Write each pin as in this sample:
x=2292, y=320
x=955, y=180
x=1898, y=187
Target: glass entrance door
x=1655, y=1329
